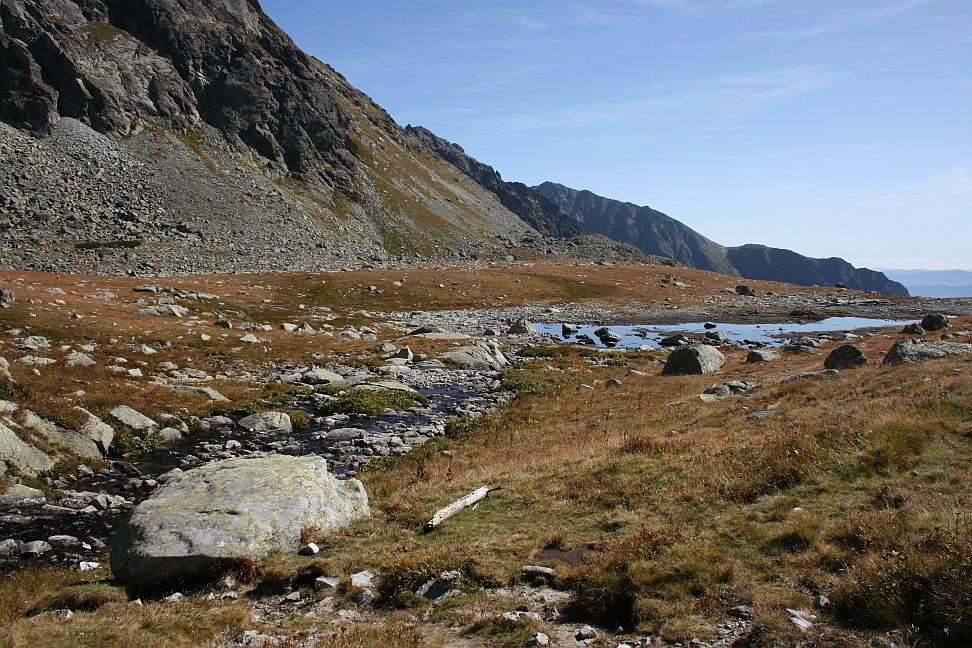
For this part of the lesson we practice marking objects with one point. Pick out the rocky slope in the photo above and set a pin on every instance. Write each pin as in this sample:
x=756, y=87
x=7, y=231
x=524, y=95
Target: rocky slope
x=654, y=232
x=196, y=136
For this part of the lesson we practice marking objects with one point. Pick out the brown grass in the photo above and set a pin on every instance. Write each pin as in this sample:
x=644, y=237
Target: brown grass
x=691, y=507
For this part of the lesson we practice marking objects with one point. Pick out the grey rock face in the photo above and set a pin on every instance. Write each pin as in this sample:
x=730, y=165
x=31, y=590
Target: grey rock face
x=913, y=329
x=934, y=322
x=244, y=507
x=7, y=296
x=911, y=350
x=694, y=359
x=845, y=357
x=98, y=431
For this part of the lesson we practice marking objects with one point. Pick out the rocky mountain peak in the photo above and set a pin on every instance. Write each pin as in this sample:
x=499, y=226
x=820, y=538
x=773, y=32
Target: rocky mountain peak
x=122, y=66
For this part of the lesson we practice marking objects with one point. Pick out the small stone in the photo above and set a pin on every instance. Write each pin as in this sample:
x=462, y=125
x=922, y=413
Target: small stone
x=58, y=615
x=539, y=639
x=177, y=597
x=88, y=566
x=363, y=579
x=326, y=582
x=292, y=597
x=365, y=597
x=585, y=632
x=310, y=549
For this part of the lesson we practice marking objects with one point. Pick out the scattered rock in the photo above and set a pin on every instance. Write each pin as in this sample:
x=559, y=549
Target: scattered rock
x=482, y=356
x=263, y=422
x=135, y=420
x=913, y=329
x=746, y=291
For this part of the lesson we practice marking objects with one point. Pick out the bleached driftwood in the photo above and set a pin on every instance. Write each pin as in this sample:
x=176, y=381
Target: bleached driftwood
x=444, y=514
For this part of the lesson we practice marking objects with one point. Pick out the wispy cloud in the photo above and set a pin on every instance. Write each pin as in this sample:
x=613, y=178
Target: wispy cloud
x=848, y=20
x=678, y=102
x=706, y=6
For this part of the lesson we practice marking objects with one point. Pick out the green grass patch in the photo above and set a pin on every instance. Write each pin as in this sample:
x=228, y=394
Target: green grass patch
x=369, y=402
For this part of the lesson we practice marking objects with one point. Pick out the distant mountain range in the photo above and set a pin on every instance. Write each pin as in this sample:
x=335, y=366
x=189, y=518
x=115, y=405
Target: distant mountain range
x=656, y=233
x=195, y=136
x=934, y=283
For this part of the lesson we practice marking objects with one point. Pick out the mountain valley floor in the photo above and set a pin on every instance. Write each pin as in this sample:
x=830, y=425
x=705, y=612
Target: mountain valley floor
x=768, y=503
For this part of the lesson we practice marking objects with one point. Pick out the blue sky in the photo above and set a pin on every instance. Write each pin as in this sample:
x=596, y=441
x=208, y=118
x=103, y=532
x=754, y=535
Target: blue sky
x=830, y=127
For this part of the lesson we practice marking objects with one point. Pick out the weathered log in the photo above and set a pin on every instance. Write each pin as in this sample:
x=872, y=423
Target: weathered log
x=444, y=514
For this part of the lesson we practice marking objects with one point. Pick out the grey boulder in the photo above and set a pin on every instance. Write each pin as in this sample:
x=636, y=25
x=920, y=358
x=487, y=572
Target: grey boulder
x=522, y=326
x=262, y=422
x=484, y=356
x=204, y=520
x=694, y=359
x=912, y=350
x=762, y=355
x=138, y=422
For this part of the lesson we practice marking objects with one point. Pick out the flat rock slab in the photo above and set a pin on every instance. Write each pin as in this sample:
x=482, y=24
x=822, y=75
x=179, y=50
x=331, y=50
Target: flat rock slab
x=912, y=350
x=693, y=360
x=203, y=519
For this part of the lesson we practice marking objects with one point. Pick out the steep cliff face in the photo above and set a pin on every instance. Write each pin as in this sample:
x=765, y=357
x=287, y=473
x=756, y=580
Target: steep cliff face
x=643, y=227
x=531, y=205
x=117, y=65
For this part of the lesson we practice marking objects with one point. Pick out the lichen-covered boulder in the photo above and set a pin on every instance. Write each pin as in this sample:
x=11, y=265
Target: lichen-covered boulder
x=204, y=519
x=17, y=453
x=693, y=360
x=912, y=350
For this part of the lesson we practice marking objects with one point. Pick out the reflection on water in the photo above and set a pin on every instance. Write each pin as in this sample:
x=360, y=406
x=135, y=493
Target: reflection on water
x=767, y=334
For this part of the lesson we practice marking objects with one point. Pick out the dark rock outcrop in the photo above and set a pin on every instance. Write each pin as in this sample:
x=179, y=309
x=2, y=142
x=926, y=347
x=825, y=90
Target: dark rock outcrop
x=847, y=356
